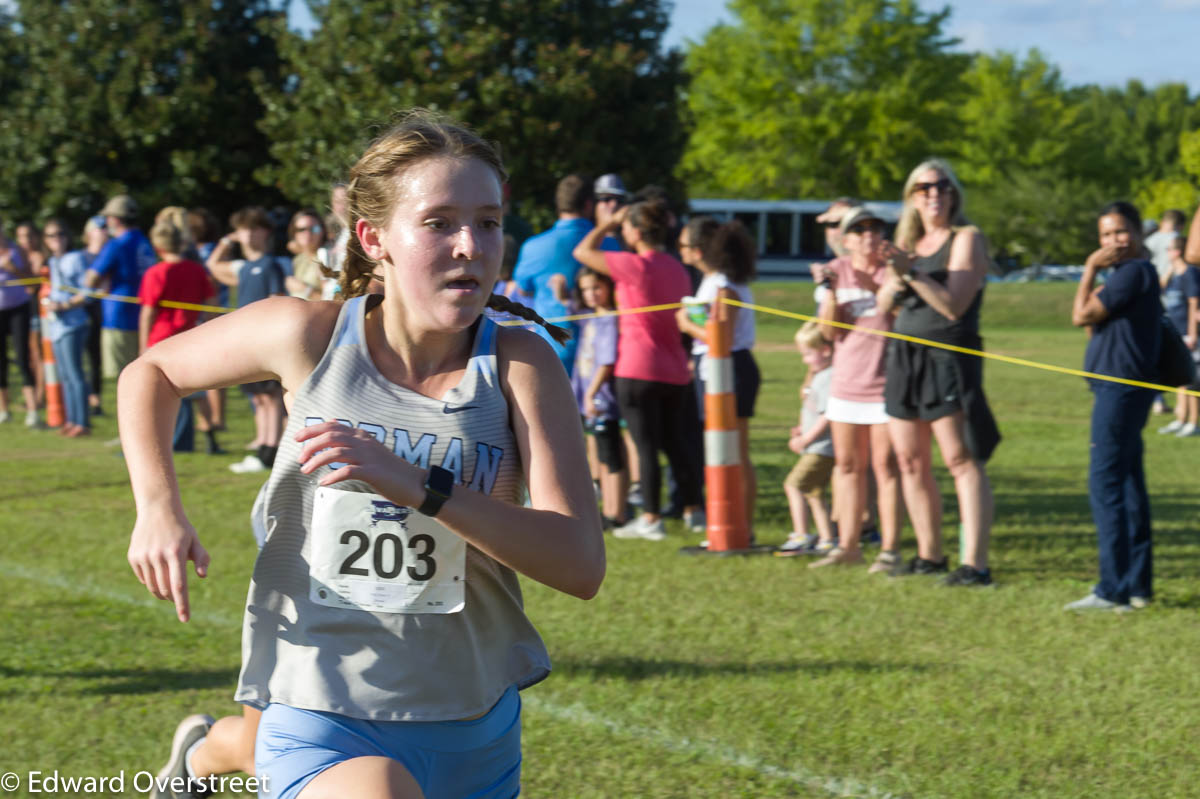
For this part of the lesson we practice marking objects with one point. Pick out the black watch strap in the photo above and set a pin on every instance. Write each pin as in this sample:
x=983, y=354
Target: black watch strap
x=439, y=484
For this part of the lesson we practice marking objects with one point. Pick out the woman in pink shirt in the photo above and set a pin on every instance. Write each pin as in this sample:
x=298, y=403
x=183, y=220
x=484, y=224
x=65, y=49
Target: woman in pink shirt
x=855, y=409
x=653, y=384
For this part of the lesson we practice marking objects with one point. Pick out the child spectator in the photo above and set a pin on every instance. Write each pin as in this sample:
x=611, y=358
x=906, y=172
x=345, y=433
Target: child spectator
x=175, y=279
x=811, y=440
x=593, y=384
x=257, y=276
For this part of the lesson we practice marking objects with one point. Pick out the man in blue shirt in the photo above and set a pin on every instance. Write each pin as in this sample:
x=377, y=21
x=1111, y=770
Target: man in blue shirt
x=122, y=262
x=549, y=253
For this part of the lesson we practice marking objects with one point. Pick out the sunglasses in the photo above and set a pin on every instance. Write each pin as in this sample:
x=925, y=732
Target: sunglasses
x=832, y=225
x=313, y=229
x=944, y=185
x=610, y=199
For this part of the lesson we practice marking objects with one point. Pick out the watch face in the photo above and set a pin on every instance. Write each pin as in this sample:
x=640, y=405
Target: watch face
x=440, y=480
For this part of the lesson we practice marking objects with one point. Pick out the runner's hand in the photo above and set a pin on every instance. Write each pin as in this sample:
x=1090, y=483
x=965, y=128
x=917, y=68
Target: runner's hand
x=359, y=456
x=159, y=550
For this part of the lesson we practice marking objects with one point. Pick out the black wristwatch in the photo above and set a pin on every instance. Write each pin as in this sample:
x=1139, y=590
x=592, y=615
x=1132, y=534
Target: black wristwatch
x=439, y=483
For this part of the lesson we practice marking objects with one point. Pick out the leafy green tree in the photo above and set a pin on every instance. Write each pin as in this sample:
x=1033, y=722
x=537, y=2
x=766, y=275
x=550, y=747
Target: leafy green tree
x=817, y=98
x=1015, y=115
x=153, y=97
x=578, y=86
x=1020, y=143
x=1133, y=134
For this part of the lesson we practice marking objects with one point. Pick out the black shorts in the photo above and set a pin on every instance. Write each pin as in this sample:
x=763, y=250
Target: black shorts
x=610, y=445
x=262, y=387
x=922, y=382
x=747, y=380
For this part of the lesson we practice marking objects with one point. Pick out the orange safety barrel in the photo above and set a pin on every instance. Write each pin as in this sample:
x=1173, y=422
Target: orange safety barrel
x=726, y=508
x=55, y=412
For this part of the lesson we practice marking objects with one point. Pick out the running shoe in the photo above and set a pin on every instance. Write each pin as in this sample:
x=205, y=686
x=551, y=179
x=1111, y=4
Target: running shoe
x=634, y=497
x=1139, y=602
x=918, y=565
x=968, y=576
x=1092, y=602
x=31, y=420
x=5, y=416
x=640, y=528
x=1186, y=431
x=1171, y=427
x=173, y=782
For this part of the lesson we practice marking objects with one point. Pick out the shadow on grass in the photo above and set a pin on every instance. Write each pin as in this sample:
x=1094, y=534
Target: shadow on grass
x=631, y=668
x=101, y=682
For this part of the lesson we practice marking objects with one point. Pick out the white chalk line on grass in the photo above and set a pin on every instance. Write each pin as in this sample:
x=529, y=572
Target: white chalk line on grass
x=709, y=750
x=574, y=713
x=80, y=585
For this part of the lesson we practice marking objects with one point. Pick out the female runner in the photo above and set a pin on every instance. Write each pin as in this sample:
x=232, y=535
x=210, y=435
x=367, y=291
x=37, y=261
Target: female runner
x=385, y=646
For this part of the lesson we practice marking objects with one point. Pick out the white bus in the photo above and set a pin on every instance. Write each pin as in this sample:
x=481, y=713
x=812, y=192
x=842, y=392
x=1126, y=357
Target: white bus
x=788, y=236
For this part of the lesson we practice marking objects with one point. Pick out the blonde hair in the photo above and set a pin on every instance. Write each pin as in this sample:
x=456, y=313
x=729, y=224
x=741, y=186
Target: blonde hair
x=373, y=192
x=177, y=217
x=167, y=238
x=910, y=230
x=809, y=337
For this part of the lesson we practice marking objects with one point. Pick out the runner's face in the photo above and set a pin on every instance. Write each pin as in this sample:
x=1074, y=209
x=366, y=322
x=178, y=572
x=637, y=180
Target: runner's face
x=442, y=247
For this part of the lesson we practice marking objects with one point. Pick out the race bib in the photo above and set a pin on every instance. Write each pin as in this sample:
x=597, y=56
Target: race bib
x=372, y=554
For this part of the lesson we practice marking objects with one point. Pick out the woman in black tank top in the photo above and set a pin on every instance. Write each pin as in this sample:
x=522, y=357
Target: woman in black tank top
x=935, y=286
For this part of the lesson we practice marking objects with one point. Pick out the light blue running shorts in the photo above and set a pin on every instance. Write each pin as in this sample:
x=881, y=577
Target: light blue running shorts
x=476, y=759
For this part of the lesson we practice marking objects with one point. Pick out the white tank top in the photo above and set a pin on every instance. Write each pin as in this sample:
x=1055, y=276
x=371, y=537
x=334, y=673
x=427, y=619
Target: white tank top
x=361, y=607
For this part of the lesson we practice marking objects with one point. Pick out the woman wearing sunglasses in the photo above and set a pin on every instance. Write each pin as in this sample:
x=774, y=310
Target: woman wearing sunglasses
x=307, y=238
x=935, y=282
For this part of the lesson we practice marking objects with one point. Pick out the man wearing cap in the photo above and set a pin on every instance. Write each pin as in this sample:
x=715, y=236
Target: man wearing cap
x=122, y=262
x=831, y=219
x=549, y=253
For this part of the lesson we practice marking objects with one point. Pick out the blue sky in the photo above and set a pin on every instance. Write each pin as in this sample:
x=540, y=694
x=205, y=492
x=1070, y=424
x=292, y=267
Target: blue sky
x=1091, y=41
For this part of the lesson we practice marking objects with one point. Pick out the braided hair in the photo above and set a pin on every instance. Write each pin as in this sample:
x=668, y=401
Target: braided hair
x=372, y=194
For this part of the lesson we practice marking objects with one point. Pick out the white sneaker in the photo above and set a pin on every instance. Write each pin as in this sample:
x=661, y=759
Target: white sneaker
x=1171, y=427
x=695, y=521
x=248, y=464
x=1187, y=430
x=31, y=419
x=1093, y=602
x=640, y=528
x=5, y=416
x=796, y=541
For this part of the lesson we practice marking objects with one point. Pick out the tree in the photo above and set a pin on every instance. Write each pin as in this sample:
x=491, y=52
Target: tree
x=152, y=97
x=1018, y=153
x=1133, y=134
x=818, y=98
x=577, y=86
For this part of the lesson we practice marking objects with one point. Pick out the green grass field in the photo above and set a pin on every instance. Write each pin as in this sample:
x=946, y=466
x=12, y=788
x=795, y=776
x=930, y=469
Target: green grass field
x=687, y=676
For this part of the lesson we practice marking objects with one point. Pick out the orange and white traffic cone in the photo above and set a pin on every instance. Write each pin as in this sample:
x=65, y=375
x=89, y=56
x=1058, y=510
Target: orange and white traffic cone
x=55, y=414
x=726, y=507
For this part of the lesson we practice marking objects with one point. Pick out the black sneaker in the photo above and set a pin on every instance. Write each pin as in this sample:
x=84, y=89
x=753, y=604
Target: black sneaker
x=968, y=576
x=173, y=782
x=918, y=565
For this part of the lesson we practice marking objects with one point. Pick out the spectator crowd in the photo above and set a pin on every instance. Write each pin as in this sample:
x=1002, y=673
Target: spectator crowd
x=871, y=407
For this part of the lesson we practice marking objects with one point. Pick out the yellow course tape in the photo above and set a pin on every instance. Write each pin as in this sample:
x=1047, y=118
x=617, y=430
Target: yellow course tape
x=964, y=350
x=673, y=305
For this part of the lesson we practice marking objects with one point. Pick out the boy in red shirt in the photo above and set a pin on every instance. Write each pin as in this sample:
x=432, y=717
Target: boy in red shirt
x=175, y=279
